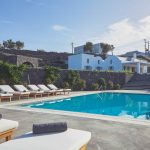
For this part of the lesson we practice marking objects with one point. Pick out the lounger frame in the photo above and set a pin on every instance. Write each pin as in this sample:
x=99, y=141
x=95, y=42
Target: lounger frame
x=7, y=134
x=83, y=147
x=5, y=97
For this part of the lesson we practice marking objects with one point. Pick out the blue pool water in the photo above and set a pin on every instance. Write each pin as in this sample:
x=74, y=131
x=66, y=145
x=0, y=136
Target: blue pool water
x=112, y=104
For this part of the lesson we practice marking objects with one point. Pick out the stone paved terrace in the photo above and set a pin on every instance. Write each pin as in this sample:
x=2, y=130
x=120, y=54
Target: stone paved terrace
x=106, y=135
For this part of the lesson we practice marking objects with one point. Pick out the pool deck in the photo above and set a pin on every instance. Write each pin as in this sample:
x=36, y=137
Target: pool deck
x=106, y=134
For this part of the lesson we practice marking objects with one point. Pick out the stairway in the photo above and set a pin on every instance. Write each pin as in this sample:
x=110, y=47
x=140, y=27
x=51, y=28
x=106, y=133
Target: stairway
x=138, y=82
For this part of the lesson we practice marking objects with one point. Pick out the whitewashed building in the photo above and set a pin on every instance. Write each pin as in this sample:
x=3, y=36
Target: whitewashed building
x=96, y=49
x=115, y=63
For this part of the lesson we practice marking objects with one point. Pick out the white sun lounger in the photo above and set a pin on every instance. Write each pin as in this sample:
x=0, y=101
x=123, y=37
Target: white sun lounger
x=8, y=89
x=22, y=88
x=69, y=140
x=46, y=89
x=6, y=96
x=34, y=87
x=7, y=128
x=53, y=87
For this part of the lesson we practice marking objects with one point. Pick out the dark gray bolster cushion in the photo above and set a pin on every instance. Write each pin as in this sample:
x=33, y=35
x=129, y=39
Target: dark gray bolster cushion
x=0, y=116
x=49, y=127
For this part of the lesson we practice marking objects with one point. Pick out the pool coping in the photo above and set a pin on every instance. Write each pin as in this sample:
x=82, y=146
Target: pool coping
x=16, y=106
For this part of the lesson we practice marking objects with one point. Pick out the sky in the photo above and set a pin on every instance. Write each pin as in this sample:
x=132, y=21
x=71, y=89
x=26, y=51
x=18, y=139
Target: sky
x=53, y=25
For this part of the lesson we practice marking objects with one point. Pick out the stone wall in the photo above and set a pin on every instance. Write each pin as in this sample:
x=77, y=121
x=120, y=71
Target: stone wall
x=46, y=58
x=37, y=76
x=8, y=58
x=34, y=62
x=19, y=59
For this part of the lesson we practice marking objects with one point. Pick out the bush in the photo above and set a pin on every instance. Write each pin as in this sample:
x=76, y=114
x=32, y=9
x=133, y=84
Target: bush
x=80, y=85
x=94, y=86
x=117, y=87
x=102, y=83
x=10, y=73
x=66, y=85
x=48, y=81
x=110, y=85
x=73, y=78
x=51, y=74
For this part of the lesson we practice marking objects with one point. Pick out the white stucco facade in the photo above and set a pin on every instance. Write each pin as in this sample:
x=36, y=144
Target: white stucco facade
x=91, y=62
x=84, y=62
x=96, y=49
x=115, y=63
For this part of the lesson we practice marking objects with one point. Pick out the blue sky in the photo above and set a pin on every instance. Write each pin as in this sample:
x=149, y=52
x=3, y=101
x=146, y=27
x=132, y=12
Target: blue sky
x=53, y=24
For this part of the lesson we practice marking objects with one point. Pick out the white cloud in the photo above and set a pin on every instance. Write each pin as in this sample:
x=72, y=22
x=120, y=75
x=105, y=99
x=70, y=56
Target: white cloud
x=126, y=34
x=60, y=28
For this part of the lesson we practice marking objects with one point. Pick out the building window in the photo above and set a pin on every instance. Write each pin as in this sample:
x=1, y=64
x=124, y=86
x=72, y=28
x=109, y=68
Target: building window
x=111, y=68
x=99, y=68
x=98, y=61
x=110, y=61
x=88, y=68
x=88, y=61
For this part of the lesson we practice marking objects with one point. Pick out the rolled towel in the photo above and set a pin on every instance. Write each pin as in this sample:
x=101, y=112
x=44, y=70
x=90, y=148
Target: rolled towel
x=0, y=116
x=49, y=127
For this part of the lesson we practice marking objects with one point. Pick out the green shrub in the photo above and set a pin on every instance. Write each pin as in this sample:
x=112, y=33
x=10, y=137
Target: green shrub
x=110, y=85
x=94, y=86
x=117, y=86
x=102, y=83
x=10, y=73
x=80, y=85
x=73, y=78
x=48, y=81
x=66, y=85
x=51, y=74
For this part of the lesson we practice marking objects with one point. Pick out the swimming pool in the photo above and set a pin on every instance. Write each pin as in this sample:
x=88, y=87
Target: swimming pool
x=112, y=104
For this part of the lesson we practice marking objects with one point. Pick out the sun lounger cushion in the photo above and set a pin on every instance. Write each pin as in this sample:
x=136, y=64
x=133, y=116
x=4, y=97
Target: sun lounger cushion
x=0, y=116
x=52, y=87
x=43, y=87
x=49, y=127
x=21, y=88
x=33, y=87
x=69, y=140
x=7, y=125
x=6, y=95
x=6, y=88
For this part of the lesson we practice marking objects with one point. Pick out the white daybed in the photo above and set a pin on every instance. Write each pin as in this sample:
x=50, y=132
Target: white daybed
x=7, y=128
x=71, y=139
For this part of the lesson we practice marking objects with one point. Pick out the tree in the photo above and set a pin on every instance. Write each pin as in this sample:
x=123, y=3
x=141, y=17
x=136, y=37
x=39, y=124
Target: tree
x=11, y=44
x=51, y=74
x=5, y=44
x=88, y=47
x=19, y=45
x=106, y=48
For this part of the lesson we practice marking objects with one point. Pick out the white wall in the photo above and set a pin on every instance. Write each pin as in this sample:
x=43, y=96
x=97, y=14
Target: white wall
x=79, y=62
x=75, y=62
x=79, y=50
x=96, y=49
x=116, y=63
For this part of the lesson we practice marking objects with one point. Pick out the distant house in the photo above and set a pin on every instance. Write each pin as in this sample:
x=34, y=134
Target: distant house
x=115, y=63
x=96, y=49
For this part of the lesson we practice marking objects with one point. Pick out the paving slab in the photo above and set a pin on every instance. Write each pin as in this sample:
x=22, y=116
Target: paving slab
x=106, y=135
